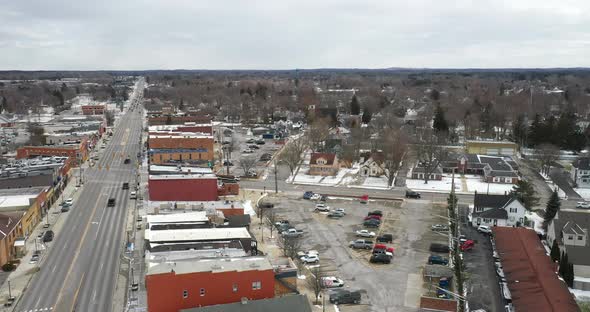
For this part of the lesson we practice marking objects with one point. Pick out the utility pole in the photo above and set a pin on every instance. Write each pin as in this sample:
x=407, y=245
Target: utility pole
x=276, y=181
x=457, y=262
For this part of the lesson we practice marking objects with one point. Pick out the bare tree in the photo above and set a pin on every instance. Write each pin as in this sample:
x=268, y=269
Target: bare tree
x=546, y=154
x=394, y=147
x=430, y=152
x=292, y=153
x=247, y=163
x=37, y=134
x=109, y=117
x=271, y=219
x=317, y=133
x=314, y=282
x=290, y=245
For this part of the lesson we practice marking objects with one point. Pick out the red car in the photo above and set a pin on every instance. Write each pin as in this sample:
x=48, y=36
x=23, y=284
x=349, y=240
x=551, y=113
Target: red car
x=379, y=246
x=467, y=245
x=373, y=217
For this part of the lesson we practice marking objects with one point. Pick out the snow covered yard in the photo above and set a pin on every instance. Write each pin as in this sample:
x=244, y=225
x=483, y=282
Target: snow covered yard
x=583, y=192
x=475, y=183
x=443, y=185
x=344, y=176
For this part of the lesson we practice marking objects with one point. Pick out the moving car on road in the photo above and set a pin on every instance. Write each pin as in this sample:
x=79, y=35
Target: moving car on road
x=335, y=214
x=412, y=194
x=126, y=185
x=111, y=202
x=583, y=205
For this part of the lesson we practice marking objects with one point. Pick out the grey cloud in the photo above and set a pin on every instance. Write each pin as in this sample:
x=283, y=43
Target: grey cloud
x=134, y=34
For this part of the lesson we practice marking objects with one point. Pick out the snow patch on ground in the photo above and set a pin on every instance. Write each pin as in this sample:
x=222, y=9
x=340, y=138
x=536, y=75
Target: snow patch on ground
x=345, y=176
x=582, y=295
x=583, y=192
x=538, y=220
x=375, y=182
x=443, y=185
x=248, y=208
x=474, y=183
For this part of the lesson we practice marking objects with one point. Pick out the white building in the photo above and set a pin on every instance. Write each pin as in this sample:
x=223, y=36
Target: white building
x=497, y=210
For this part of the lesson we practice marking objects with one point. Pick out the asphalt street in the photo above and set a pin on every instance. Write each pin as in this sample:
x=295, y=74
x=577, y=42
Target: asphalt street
x=79, y=272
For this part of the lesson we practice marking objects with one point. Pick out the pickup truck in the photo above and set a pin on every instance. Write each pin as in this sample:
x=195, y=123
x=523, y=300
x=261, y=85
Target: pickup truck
x=345, y=296
x=361, y=244
x=292, y=233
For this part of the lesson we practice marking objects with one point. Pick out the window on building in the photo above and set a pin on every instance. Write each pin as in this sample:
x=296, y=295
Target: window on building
x=570, y=237
x=256, y=285
x=185, y=294
x=478, y=209
x=202, y=292
x=580, y=237
x=235, y=288
x=513, y=210
x=487, y=220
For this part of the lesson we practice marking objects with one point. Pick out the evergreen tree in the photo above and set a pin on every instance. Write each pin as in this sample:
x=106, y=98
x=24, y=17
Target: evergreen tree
x=440, y=123
x=535, y=131
x=519, y=130
x=555, y=251
x=569, y=276
x=525, y=193
x=562, y=262
x=367, y=115
x=553, y=205
x=355, y=107
x=4, y=104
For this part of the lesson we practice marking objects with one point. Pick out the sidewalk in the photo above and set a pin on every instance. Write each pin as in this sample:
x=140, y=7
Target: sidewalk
x=20, y=278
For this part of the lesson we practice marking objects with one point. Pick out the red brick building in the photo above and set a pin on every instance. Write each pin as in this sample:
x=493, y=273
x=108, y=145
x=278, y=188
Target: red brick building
x=177, y=119
x=93, y=109
x=188, y=187
x=206, y=128
x=76, y=152
x=172, y=286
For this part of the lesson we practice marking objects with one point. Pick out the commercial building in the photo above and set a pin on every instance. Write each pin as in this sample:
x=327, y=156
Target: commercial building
x=31, y=201
x=291, y=303
x=503, y=148
x=205, y=128
x=77, y=152
x=211, y=208
x=531, y=281
x=176, y=119
x=183, y=187
x=187, y=220
x=185, y=147
x=93, y=109
x=10, y=229
x=192, y=238
x=183, y=284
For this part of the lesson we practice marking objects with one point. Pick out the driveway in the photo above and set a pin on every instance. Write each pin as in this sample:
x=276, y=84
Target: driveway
x=562, y=179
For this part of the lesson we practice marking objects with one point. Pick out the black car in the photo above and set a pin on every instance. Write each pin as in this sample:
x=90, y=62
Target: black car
x=372, y=223
x=375, y=213
x=434, y=259
x=436, y=247
x=48, y=236
x=385, y=238
x=125, y=186
x=345, y=296
x=260, y=142
x=111, y=202
x=127, y=161
x=253, y=146
x=380, y=258
x=265, y=157
x=228, y=163
x=412, y=194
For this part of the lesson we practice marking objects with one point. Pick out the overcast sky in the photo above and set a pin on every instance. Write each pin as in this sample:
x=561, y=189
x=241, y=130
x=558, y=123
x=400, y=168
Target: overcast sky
x=285, y=34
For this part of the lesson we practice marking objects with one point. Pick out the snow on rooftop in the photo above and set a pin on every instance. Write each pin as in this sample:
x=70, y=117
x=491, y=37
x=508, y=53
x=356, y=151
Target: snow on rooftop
x=211, y=265
x=195, y=216
x=195, y=235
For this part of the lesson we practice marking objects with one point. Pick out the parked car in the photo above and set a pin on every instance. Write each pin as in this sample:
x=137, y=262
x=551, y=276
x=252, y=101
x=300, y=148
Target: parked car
x=375, y=213
x=133, y=195
x=127, y=161
x=282, y=222
x=40, y=236
x=247, y=151
x=372, y=223
x=341, y=210
x=253, y=146
x=307, y=259
x=436, y=247
x=250, y=141
x=111, y=202
x=307, y=195
x=440, y=228
x=227, y=163
x=434, y=259
x=412, y=194
x=322, y=207
x=484, y=229
x=265, y=157
x=335, y=214
x=260, y=142
x=292, y=233
x=48, y=236
x=331, y=281
x=324, y=198
x=65, y=209
x=365, y=233
x=68, y=202
x=372, y=217
x=385, y=238
x=583, y=205
x=380, y=258
x=308, y=253
x=361, y=244
x=34, y=259
x=316, y=197
x=345, y=296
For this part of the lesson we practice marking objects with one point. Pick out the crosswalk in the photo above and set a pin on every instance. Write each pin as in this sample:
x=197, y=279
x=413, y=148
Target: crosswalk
x=39, y=309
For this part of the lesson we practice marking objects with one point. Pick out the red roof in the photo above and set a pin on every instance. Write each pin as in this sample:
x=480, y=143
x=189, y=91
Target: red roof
x=437, y=304
x=530, y=274
x=329, y=157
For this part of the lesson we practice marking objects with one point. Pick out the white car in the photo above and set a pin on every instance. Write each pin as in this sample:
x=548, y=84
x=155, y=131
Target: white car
x=69, y=202
x=308, y=253
x=248, y=151
x=365, y=233
x=583, y=205
x=322, y=207
x=484, y=229
x=331, y=281
x=341, y=210
x=307, y=259
x=316, y=197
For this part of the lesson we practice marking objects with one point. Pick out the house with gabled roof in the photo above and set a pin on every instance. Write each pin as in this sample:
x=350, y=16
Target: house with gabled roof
x=497, y=210
x=324, y=164
x=372, y=165
x=580, y=172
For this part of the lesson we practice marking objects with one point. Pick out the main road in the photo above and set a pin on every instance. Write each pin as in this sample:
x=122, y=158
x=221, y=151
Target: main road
x=80, y=270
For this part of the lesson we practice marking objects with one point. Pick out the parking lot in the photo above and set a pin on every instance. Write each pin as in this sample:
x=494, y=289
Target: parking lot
x=242, y=149
x=384, y=287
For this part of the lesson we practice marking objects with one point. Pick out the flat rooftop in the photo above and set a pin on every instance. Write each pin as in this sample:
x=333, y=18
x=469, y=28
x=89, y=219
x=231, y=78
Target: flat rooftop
x=195, y=216
x=211, y=265
x=187, y=176
x=179, y=169
x=195, y=235
x=208, y=206
x=179, y=135
x=174, y=127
